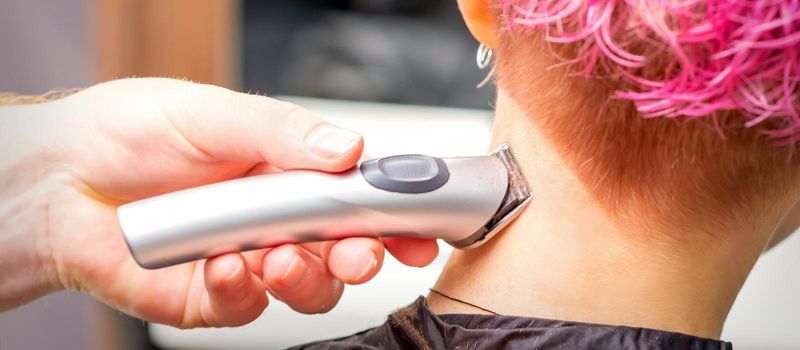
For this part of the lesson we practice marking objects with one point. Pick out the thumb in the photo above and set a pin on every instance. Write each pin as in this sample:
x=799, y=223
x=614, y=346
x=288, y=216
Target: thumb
x=233, y=126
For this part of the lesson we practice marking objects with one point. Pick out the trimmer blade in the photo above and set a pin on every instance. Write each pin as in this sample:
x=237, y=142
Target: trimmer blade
x=517, y=198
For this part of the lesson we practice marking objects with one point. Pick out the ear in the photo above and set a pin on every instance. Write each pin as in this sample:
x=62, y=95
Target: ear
x=480, y=20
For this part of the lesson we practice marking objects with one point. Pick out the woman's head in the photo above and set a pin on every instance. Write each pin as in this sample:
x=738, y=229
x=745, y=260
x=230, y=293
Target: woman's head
x=675, y=113
x=689, y=59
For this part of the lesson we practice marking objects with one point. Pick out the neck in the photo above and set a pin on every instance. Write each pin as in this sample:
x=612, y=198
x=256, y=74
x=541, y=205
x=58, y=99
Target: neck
x=564, y=258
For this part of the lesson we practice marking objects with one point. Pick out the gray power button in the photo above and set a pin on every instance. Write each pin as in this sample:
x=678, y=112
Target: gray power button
x=412, y=173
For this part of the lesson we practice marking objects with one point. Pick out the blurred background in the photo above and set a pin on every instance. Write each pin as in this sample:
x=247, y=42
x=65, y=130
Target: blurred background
x=387, y=68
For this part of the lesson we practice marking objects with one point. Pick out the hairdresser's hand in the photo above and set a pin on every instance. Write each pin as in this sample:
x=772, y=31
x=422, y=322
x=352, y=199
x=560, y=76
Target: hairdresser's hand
x=66, y=165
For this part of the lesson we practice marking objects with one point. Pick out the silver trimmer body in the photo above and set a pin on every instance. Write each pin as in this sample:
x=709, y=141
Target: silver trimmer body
x=462, y=200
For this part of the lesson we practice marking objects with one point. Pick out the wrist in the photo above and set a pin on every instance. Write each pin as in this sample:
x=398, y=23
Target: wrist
x=27, y=161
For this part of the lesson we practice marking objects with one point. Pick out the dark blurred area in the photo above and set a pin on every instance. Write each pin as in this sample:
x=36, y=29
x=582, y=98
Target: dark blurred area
x=411, y=52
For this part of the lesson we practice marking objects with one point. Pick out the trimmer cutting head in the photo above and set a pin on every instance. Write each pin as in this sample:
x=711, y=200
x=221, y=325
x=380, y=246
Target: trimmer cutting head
x=518, y=196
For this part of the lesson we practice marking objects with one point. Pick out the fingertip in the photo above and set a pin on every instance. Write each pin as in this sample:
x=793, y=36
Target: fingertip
x=233, y=296
x=235, y=309
x=332, y=154
x=356, y=260
x=334, y=148
x=416, y=252
x=316, y=291
x=225, y=271
x=284, y=266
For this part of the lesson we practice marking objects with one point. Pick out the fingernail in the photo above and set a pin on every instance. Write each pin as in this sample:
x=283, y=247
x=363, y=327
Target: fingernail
x=371, y=263
x=331, y=142
x=292, y=274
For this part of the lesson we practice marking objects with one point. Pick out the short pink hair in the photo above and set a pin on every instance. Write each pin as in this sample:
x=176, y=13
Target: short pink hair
x=721, y=55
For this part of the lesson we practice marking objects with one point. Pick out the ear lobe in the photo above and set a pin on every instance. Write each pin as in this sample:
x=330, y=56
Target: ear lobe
x=480, y=20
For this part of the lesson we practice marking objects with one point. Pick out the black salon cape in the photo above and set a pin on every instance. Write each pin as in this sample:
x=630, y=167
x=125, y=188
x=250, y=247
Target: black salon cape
x=416, y=327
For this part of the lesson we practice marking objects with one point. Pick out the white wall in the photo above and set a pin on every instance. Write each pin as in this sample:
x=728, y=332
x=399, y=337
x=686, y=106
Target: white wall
x=766, y=314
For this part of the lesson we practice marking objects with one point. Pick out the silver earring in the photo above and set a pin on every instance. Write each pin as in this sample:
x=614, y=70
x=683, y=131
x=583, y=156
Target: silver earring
x=484, y=59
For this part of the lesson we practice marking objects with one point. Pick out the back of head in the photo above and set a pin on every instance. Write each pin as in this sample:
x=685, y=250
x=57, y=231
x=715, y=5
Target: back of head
x=675, y=115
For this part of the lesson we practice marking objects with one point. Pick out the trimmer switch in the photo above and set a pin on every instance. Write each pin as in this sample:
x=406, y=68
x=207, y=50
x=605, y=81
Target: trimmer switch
x=412, y=173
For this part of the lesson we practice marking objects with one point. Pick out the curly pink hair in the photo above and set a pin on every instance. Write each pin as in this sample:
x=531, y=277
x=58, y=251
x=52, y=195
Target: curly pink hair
x=721, y=54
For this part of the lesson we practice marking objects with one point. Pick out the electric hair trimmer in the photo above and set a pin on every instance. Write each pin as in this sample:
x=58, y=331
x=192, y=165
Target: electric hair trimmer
x=462, y=200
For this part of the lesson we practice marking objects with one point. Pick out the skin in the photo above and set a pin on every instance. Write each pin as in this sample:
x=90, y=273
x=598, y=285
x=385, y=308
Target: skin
x=566, y=258
x=66, y=165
